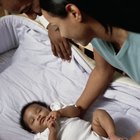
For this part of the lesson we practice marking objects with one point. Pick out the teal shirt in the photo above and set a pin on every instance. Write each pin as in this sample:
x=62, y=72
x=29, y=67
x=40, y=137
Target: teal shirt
x=128, y=57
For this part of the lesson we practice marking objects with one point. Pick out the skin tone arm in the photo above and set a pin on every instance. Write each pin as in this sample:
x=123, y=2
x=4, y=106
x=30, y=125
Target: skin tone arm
x=53, y=117
x=98, y=81
x=60, y=45
x=68, y=111
x=52, y=126
x=102, y=123
x=52, y=136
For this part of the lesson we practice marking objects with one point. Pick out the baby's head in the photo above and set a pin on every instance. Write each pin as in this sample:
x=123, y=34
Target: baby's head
x=33, y=116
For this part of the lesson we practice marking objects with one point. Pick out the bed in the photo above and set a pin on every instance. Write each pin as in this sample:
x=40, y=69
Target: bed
x=29, y=71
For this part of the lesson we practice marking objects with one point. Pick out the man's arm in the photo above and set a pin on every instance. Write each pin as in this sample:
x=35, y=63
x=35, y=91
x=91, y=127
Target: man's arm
x=60, y=45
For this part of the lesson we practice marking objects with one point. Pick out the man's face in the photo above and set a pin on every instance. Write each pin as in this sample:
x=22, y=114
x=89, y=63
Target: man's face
x=36, y=117
x=30, y=7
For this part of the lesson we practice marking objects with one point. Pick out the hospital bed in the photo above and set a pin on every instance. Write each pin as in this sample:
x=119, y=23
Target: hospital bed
x=29, y=71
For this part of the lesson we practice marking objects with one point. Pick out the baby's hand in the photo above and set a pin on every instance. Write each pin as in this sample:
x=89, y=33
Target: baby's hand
x=52, y=125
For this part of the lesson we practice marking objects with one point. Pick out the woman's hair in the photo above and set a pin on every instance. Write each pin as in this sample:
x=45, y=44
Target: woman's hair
x=118, y=13
x=23, y=124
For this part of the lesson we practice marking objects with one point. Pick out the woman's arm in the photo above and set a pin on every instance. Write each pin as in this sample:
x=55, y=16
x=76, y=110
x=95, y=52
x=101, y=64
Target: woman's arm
x=68, y=111
x=98, y=81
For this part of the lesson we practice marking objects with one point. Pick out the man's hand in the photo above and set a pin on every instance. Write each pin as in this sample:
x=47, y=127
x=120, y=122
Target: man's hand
x=60, y=45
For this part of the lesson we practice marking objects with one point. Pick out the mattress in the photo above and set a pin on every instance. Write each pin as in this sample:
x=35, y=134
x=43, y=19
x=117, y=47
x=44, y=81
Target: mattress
x=33, y=73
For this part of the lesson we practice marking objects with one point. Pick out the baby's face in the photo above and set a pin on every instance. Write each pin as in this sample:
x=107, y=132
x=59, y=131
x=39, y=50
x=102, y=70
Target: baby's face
x=35, y=116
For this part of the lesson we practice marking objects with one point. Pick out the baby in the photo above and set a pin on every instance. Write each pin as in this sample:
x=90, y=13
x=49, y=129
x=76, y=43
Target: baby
x=37, y=117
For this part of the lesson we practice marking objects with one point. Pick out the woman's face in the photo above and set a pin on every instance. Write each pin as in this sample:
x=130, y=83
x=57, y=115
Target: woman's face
x=36, y=117
x=30, y=7
x=72, y=28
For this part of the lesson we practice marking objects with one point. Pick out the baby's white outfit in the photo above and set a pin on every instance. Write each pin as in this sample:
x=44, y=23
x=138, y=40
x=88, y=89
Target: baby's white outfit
x=71, y=129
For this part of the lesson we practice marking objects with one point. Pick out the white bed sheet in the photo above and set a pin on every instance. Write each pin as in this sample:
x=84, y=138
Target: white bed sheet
x=35, y=74
x=5, y=59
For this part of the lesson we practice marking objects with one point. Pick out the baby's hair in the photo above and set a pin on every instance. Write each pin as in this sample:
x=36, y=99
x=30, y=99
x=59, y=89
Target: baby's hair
x=23, y=124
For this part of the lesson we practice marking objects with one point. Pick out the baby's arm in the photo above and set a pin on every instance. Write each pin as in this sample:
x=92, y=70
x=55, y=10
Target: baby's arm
x=53, y=117
x=52, y=126
x=52, y=136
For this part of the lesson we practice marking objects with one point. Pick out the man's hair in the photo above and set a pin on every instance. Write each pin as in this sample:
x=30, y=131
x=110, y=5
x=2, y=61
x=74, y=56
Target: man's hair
x=23, y=124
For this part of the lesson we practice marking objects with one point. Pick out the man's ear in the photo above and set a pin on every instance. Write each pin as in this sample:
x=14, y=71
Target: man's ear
x=74, y=11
